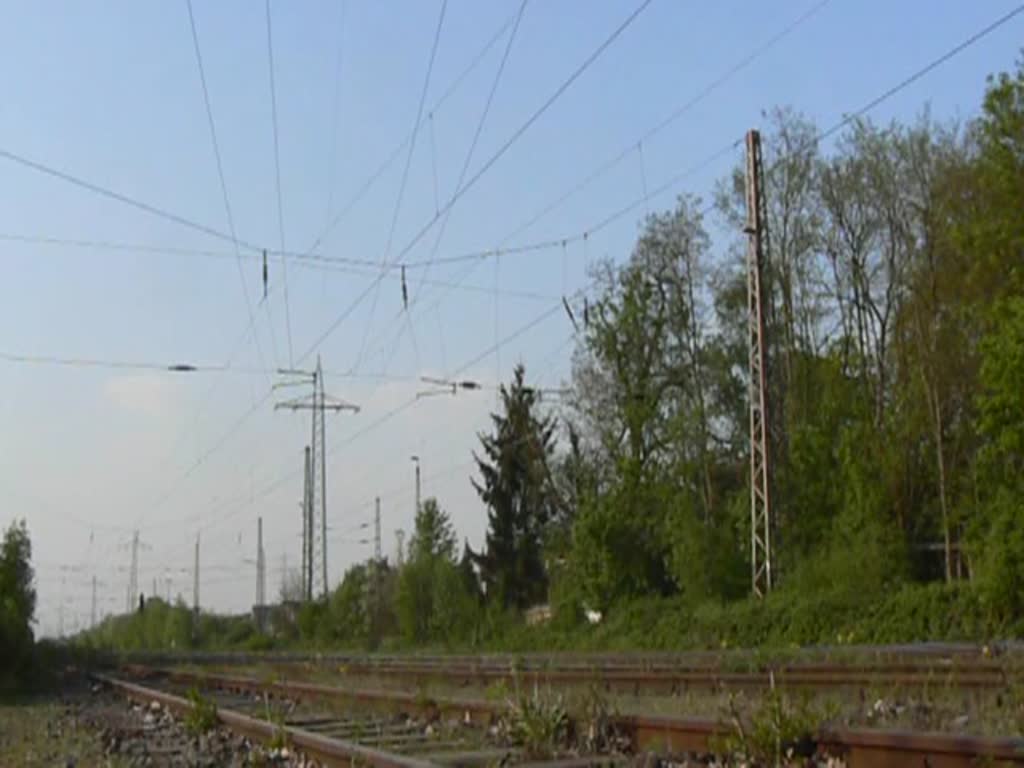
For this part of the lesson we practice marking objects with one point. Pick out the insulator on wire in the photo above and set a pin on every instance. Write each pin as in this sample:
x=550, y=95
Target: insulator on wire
x=265, y=273
x=405, y=290
x=568, y=311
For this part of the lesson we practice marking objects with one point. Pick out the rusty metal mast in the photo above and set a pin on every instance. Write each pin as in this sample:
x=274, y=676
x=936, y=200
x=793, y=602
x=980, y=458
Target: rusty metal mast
x=760, y=456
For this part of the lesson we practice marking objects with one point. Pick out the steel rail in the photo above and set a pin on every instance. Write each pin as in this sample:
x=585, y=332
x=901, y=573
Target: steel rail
x=861, y=748
x=645, y=676
x=329, y=751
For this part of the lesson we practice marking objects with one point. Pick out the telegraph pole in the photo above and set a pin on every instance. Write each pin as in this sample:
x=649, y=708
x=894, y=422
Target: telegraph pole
x=318, y=403
x=760, y=459
x=92, y=613
x=307, y=529
x=261, y=576
x=195, y=582
x=133, y=574
x=375, y=577
x=416, y=461
x=376, y=532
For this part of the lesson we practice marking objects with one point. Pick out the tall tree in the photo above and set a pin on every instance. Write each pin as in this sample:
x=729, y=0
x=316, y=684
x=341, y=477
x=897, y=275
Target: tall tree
x=433, y=535
x=434, y=600
x=17, y=602
x=516, y=486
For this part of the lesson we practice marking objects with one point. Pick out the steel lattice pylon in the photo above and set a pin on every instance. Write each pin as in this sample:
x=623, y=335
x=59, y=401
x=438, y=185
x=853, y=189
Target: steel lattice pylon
x=314, y=536
x=760, y=455
x=318, y=487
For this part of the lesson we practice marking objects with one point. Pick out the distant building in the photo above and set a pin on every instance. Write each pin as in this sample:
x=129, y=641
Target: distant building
x=538, y=614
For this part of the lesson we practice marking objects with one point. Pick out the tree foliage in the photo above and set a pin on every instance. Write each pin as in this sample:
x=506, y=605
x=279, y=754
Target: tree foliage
x=17, y=603
x=516, y=486
x=894, y=312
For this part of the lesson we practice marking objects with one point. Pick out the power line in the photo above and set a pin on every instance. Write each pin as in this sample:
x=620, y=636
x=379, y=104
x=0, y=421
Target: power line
x=88, y=362
x=839, y=125
x=296, y=256
x=529, y=122
x=277, y=180
x=220, y=176
x=318, y=262
x=476, y=137
x=561, y=89
x=913, y=78
x=405, y=173
x=664, y=123
x=851, y=117
x=365, y=187
x=846, y=120
x=110, y=194
x=220, y=515
x=673, y=116
x=335, y=108
x=584, y=234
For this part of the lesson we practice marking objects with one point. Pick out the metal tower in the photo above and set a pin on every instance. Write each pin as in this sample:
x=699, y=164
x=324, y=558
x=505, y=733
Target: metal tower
x=261, y=575
x=760, y=458
x=195, y=581
x=318, y=403
x=307, y=528
x=399, y=547
x=133, y=575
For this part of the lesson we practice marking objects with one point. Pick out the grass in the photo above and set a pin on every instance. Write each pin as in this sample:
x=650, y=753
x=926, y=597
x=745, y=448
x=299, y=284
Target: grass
x=938, y=706
x=778, y=730
x=539, y=722
x=37, y=732
x=202, y=717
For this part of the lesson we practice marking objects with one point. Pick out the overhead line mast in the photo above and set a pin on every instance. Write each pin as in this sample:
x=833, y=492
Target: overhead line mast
x=760, y=454
x=318, y=403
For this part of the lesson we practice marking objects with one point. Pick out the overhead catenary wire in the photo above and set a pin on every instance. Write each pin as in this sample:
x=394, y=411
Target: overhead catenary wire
x=525, y=126
x=505, y=146
x=128, y=200
x=846, y=120
x=386, y=256
x=335, y=109
x=849, y=118
x=91, y=362
x=663, y=124
x=221, y=515
x=223, y=183
x=473, y=143
x=905, y=83
x=277, y=180
x=295, y=256
x=371, y=180
x=672, y=117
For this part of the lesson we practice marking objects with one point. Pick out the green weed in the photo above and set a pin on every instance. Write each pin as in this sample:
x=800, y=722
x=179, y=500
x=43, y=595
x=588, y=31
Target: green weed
x=539, y=723
x=779, y=731
x=202, y=716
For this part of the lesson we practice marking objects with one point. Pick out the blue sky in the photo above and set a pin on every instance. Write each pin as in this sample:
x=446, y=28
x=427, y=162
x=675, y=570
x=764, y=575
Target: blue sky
x=111, y=94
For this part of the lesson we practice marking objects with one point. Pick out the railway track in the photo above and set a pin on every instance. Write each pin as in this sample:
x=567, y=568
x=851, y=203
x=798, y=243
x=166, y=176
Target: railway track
x=643, y=675
x=329, y=738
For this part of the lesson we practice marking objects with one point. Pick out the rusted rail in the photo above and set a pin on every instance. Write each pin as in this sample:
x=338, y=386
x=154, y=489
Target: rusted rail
x=861, y=748
x=672, y=679
x=930, y=653
x=329, y=751
x=661, y=678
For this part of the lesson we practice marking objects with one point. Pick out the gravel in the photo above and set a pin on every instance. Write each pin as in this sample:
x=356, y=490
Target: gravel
x=108, y=727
